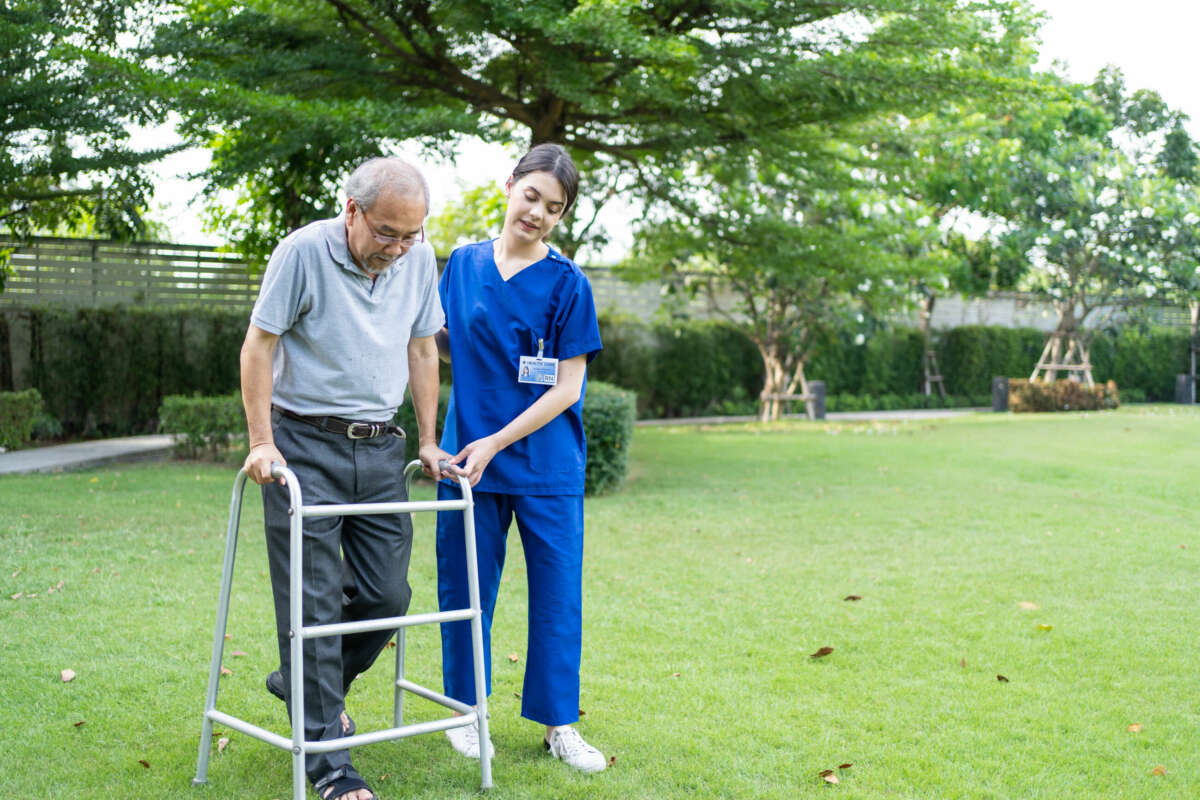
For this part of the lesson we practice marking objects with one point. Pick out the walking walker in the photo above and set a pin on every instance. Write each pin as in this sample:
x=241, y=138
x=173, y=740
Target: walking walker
x=298, y=746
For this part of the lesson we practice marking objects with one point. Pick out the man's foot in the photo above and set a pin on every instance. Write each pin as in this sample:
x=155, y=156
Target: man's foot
x=344, y=784
x=565, y=744
x=466, y=741
x=276, y=686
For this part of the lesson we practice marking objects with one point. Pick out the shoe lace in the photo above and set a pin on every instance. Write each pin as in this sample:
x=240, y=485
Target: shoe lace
x=570, y=743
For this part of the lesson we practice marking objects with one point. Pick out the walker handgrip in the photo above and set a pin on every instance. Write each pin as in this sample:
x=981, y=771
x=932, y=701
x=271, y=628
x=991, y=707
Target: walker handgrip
x=276, y=470
x=444, y=465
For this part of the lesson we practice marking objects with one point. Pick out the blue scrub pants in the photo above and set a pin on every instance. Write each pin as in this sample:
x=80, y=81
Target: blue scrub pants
x=551, y=528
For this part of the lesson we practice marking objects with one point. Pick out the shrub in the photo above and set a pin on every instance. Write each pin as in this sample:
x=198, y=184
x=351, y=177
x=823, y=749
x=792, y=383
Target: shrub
x=203, y=425
x=18, y=410
x=1064, y=395
x=608, y=416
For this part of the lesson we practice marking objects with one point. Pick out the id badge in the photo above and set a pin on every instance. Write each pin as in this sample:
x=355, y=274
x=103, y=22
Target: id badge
x=538, y=370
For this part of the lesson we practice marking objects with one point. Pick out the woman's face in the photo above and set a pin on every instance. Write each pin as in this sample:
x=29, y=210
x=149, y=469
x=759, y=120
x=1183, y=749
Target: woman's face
x=536, y=203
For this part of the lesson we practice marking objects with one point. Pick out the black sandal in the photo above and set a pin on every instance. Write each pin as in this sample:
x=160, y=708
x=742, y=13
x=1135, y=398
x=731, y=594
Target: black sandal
x=340, y=782
x=275, y=686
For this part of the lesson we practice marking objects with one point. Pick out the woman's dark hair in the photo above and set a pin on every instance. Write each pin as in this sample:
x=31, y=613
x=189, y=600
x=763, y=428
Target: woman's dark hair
x=554, y=159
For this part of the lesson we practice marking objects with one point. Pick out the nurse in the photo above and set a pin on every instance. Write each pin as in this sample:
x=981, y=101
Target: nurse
x=520, y=330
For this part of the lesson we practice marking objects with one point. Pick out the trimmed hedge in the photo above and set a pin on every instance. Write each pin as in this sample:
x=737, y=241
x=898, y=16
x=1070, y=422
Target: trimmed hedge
x=105, y=372
x=203, y=425
x=18, y=412
x=1064, y=395
x=608, y=416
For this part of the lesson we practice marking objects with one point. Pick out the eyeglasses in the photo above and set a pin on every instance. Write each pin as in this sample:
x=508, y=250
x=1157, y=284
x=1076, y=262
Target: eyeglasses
x=403, y=241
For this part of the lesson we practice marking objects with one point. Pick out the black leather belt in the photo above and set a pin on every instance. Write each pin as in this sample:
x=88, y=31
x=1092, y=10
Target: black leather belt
x=345, y=427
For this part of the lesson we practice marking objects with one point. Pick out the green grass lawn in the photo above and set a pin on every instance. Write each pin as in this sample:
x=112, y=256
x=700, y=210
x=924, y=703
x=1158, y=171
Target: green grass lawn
x=1059, y=551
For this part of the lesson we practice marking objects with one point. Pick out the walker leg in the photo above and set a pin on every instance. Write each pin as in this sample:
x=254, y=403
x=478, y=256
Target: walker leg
x=398, y=702
x=218, y=648
x=485, y=758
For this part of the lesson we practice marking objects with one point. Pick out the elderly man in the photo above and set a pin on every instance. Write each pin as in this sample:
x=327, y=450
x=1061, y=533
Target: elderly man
x=345, y=318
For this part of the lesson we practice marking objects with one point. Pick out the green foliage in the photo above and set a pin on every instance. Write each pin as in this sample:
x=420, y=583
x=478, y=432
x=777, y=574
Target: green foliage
x=706, y=368
x=971, y=355
x=1062, y=395
x=65, y=155
x=106, y=371
x=204, y=426
x=608, y=416
x=678, y=369
x=18, y=411
x=1142, y=360
x=477, y=215
x=289, y=95
x=406, y=418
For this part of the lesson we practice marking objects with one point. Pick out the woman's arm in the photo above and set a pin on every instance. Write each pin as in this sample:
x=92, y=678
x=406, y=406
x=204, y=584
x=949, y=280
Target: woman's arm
x=557, y=399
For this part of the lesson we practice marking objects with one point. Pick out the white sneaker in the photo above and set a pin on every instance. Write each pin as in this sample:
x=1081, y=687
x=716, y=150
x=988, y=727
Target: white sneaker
x=466, y=741
x=566, y=744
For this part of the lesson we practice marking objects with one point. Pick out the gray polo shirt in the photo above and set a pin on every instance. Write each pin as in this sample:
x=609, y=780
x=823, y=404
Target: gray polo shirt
x=343, y=346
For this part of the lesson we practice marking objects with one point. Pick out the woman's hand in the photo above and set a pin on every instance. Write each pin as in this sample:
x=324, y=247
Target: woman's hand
x=478, y=454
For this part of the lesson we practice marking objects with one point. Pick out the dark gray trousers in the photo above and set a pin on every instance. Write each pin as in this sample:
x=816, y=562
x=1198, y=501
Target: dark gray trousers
x=354, y=567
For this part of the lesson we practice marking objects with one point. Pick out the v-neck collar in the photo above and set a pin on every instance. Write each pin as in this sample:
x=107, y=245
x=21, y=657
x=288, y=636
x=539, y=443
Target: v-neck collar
x=551, y=255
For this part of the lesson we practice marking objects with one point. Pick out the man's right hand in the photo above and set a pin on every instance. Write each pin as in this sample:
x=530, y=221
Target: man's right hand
x=258, y=463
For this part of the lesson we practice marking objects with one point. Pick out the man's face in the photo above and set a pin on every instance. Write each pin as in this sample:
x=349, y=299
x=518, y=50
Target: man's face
x=394, y=219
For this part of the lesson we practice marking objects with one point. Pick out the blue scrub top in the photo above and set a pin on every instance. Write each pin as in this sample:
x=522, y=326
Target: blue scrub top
x=492, y=323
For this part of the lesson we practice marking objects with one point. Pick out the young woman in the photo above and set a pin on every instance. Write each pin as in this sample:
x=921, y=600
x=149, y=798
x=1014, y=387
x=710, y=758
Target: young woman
x=520, y=329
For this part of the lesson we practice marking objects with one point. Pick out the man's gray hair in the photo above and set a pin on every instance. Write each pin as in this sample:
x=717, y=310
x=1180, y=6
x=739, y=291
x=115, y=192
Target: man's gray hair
x=376, y=174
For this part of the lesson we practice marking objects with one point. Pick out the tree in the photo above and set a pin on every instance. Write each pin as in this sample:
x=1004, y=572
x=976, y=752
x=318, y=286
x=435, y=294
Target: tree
x=65, y=154
x=1083, y=209
x=634, y=90
x=782, y=255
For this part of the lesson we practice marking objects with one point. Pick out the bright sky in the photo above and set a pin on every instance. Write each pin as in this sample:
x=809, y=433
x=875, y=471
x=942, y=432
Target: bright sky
x=1152, y=41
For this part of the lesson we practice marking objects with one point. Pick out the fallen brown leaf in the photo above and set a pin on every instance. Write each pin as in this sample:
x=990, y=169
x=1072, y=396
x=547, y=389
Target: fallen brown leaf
x=16, y=596
x=1002, y=679
x=228, y=636
x=222, y=743
x=845, y=766
x=1159, y=770
x=1025, y=605
x=517, y=695
x=676, y=674
x=963, y=663
x=1135, y=728
x=824, y=772
x=144, y=763
x=612, y=760
x=237, y=653
x=822, y=652
x=391, y=644
x=81, y=722
x=830, y=778
x=582, y=713
x=852, y=597
x=226, y=670
x=67, y=675
x=513, y=657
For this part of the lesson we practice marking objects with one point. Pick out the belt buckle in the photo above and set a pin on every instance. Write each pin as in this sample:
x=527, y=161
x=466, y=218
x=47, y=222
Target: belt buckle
x=352, y=430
